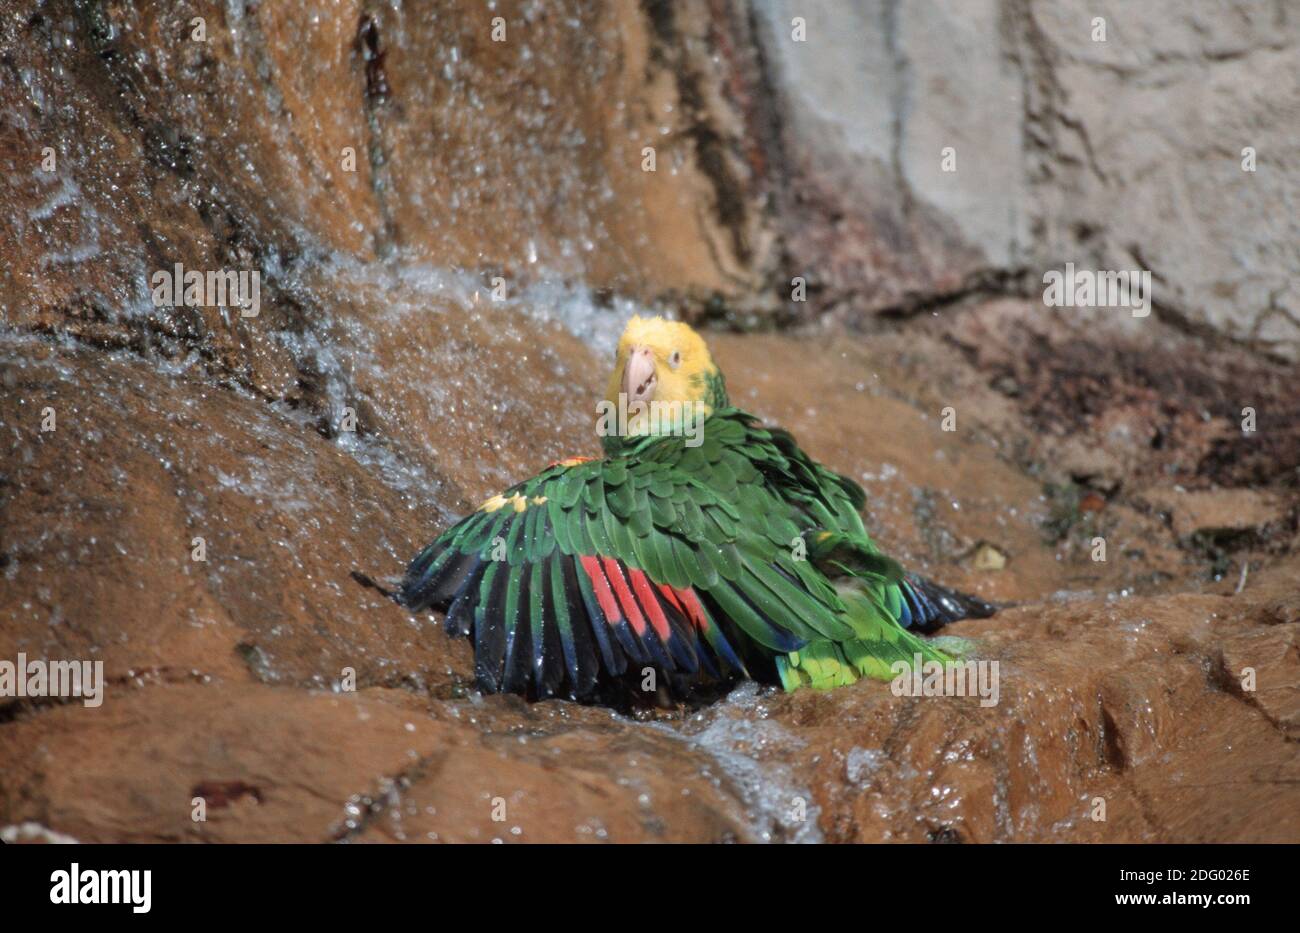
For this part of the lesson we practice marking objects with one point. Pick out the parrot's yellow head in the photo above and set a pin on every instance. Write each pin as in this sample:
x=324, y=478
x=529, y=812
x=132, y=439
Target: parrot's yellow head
x=663, y=373
x=664, y=361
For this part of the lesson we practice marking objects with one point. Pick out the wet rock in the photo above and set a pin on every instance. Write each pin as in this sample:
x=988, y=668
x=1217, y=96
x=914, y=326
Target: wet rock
x=555, y=773
x=285, y=765
x=1112, y=407
x=1218, y=511
x=478, y=390
x=179, y=531
x=1262, y=668
x=133, y=142
x=1282, y=611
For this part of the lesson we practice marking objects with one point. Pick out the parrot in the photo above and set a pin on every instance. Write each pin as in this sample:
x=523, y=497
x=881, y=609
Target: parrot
x=703, y=548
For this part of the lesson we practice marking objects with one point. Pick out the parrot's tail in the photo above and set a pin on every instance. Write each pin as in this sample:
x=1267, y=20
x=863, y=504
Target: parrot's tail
x=928, y=607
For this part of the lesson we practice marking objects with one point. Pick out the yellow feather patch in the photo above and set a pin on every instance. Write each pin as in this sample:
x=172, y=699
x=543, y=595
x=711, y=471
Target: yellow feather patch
x=568, y=462
x=517, y=501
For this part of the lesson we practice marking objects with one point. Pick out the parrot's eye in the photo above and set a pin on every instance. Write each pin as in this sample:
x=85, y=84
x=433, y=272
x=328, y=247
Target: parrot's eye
x=675, y=359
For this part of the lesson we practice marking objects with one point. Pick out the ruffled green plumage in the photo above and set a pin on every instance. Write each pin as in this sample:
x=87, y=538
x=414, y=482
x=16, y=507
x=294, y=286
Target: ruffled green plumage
x=789, y=585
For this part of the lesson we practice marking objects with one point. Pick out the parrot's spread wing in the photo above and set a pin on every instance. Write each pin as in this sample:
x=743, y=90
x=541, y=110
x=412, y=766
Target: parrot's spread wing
x=678, y=557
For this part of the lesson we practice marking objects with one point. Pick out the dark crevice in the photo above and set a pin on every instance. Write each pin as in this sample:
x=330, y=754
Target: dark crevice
x=373, y=804
x=368, y=46
x=714, y=150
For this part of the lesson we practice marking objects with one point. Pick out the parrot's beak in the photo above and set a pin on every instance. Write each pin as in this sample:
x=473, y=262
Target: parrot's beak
x=639, y=377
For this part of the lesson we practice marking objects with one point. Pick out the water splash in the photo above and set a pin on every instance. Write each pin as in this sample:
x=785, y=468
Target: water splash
x=737, y=734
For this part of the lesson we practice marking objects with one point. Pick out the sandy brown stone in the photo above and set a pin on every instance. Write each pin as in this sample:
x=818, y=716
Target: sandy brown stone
x=102, y=517
x=288, y=765
x=1217, y=511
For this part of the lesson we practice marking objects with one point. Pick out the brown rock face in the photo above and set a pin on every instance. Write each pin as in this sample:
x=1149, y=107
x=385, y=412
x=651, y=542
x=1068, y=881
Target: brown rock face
x=1165, y=716
x=273, y=136
x=450, y=231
